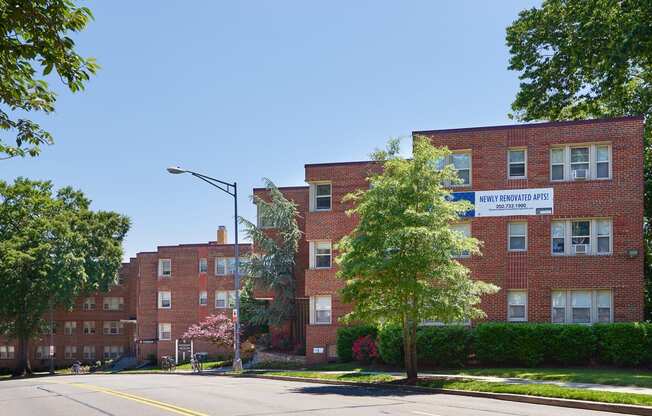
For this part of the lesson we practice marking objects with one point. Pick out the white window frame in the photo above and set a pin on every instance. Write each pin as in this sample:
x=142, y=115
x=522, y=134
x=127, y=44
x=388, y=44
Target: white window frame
x=69, y=327
x=7, y=352
x=511, y=318
x=203, y=262
x=204, y=298
x=593, y=237
x=228, y=263
x=510, y=163
x=509, y=236
x=314, y=197
x=228, y=296
x=594, y=307
x=592, y=173
x=163, y=334
x=89, y=327
x=259, y=219
x=113, y=303
x=163, y=271
x=89, y=304
x=88, y=352
x=456, y=227
x=113, y=351
x=449, y=161
x=314, y=313
x=164, y=295
x=112, y=327
x=69, y=352
x=313, y=247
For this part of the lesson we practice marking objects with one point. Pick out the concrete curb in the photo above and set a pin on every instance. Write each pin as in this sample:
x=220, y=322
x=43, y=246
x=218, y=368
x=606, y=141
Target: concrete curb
x=549, y=401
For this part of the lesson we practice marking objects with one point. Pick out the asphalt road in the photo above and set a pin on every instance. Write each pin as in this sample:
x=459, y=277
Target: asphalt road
x=188, y=395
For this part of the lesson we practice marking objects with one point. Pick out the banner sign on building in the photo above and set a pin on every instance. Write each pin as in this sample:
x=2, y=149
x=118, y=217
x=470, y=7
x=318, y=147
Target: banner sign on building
x=508, y=202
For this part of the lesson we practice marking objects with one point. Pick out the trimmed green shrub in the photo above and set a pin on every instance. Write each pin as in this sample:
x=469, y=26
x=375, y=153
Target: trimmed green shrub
x=623, y=344
x=390, y=344
x=445, y=346
x=568, y=344
x=347, y=335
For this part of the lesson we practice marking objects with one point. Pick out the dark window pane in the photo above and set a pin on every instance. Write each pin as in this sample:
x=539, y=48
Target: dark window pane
x=323, y=189
x=581, y=315
x=603, y=170
x=517, y=243
x=517, y=169
x=323, y=261
x=465, y=175
x=323, y=203
x=558, y=245
x=558, y=172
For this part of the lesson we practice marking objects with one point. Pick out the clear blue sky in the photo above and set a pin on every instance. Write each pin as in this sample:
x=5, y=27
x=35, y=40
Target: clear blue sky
x=252, y=89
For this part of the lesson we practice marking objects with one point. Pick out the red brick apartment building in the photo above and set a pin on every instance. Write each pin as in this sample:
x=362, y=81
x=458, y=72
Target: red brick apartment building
x=159, y=295
x=559, y=207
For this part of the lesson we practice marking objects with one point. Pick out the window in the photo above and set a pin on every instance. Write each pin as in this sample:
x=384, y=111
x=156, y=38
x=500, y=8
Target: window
x=517, y=239
x=164, y=300
x=89, y=327
x=262, y=218
x=321, y=310
x=203, y=265
x=320, y=254
x=461, y=162
x=43, y=352
x=224, y=299
x=580, y=162
x=203, y=298
x=164, y=332
x=112, y=327
x=224, y=266
x=69, y=327
x=164, y=268
x=50, y=328
x=7, y=352
x=582, y=237
x=465, y=230
x=89, y=304
x=70, y=352
x=516, y=305
x=581, y=306
x=89, y=352
x=517, y=163
x=111, y=352
x=114, y=304
x=321, y=199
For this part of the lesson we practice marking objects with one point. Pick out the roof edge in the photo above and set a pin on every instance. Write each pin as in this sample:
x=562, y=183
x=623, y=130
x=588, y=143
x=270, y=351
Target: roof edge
x=533, y=125
x=357, y=162
x=283, y=188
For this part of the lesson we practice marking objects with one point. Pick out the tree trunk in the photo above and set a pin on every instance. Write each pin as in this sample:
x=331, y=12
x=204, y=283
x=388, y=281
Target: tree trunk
x=23, y=366
x=410, y=349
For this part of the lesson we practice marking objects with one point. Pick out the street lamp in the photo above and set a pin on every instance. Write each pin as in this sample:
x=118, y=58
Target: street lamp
x=231, y=189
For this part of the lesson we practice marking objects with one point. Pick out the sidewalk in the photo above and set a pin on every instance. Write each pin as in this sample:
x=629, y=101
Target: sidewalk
x=509, y=380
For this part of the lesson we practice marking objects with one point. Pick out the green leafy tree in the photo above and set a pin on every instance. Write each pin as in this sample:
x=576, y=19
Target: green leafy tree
x=399, y=263
x=34, y=41
x=53, y=248
x=587, y=58
x=271, y=267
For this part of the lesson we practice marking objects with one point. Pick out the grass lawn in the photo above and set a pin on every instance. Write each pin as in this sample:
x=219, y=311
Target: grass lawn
x=207, y=365
x=616, y=377
x=541, y=390
x=353, y=376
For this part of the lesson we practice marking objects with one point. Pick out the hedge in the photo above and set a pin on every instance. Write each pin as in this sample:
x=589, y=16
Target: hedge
x=513, y=344
x=347, y=335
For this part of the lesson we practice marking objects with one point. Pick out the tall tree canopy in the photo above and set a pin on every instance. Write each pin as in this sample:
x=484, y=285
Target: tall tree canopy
x=53, y=248
x=583, y=59
x=399, y=263
x=271, y=267
x=34, y=41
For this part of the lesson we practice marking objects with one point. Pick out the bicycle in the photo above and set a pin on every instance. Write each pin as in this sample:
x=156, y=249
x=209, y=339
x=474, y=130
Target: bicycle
x=168, y=363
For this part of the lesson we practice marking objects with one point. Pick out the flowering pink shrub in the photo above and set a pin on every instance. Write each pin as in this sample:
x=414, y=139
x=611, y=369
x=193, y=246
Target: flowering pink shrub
x=364, y=349
x=214, y=328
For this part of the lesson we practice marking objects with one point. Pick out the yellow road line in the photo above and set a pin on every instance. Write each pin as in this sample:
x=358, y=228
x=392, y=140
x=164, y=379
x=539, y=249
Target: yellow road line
x=143, y=400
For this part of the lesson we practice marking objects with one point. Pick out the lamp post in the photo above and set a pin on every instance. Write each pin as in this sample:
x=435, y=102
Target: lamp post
x=231, y=189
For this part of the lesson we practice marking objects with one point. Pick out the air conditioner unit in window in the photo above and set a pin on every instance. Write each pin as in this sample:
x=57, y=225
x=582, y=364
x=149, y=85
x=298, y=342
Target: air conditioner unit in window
x=580, y=174
x=581, y=248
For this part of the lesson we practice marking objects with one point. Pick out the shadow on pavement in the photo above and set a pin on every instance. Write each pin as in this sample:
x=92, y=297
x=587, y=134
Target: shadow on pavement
x=359, y=391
